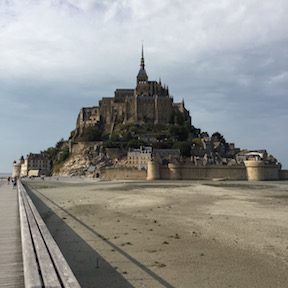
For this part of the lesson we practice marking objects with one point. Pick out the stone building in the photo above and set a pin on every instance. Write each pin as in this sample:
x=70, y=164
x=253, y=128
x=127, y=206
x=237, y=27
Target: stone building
x=33, y=165
x=139, y=157
x=149, y=102
x=40, y=162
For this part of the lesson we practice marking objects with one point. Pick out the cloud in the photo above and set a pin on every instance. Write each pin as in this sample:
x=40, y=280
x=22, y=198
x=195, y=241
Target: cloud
x=227, y=59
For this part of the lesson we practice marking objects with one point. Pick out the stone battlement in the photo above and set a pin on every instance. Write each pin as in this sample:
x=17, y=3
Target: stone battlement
x=252, y=171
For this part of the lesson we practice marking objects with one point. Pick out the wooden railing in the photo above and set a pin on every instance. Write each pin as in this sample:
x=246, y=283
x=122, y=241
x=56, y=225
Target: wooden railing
x=44, y=264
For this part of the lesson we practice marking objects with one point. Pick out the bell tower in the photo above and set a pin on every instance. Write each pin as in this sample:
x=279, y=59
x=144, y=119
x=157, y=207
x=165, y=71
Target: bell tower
x=142, y=87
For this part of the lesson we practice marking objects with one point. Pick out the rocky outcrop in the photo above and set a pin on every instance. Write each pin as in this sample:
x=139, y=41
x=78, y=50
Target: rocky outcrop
x=82, y=156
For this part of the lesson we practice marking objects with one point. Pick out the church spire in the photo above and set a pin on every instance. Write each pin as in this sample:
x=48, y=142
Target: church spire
x=142, y=65
x=142, y=75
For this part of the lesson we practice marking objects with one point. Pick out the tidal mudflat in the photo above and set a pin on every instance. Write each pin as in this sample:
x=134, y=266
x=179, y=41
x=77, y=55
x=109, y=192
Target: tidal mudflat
x=168, y=234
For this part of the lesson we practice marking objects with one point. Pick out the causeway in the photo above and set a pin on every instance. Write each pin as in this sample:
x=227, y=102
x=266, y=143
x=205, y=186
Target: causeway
x=11, y=263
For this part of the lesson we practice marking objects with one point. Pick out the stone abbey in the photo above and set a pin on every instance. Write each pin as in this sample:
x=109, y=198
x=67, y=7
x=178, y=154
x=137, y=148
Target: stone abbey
x=149, y=102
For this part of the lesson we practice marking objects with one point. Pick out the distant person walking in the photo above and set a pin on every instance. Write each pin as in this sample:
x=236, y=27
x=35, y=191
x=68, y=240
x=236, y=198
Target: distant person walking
x=15, y=182
x=8, y=179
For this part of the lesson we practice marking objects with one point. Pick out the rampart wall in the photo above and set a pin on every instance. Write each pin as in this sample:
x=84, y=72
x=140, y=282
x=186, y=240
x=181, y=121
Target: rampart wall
x=252, y=171
x=284, y=175
x=174, y=172
x=272, y=172
x=123, y=174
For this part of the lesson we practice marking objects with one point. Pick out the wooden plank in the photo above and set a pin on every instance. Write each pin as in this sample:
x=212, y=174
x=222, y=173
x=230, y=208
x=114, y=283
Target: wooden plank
x=11, y=265
x=54, y=270
x=47, y=270
x=65, y=273
x=31, y=269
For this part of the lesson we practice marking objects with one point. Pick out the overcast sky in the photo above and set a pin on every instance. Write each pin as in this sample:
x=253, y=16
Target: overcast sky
x=227, y=59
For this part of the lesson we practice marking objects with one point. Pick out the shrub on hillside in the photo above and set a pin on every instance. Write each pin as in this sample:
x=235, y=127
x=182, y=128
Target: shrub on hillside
x=91, y=134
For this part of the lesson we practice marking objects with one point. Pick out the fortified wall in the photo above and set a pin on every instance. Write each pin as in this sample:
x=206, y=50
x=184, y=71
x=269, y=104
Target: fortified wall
x=178, y=172
x=123, y=173
x=252, y=171
x=259, y=171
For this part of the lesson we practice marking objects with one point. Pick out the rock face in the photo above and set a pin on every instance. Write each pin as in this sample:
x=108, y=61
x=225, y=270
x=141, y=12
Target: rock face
x=84, y=155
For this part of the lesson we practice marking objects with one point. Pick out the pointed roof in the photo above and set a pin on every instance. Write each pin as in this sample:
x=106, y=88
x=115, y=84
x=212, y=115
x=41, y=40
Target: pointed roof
x=142, y=73
x=142, y=65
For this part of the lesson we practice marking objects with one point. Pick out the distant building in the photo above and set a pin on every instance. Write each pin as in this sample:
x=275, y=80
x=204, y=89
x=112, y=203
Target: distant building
x=165, y=156
x=40, y=162
x=33, y=165
x=149, y=102
x=258, y=155
x=250, y=155
x=139, y=157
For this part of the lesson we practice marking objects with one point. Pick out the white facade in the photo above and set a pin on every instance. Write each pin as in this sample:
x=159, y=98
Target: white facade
x=139, y=157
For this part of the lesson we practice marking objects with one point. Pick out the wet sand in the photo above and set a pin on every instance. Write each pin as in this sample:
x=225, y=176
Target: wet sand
x=168, y=234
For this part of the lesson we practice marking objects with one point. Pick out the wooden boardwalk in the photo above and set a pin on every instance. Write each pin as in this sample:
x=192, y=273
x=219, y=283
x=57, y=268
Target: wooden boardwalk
x=11, y=264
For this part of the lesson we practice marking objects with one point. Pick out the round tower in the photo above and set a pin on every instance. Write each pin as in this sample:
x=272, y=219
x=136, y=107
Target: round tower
x=255, y=170
x=153, y=171
x=16, y=169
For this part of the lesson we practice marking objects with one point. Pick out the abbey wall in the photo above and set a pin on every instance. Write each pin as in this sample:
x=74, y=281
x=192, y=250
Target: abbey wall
x=149, y=102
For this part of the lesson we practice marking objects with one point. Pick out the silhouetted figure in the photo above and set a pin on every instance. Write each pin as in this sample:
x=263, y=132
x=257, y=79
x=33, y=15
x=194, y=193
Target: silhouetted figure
x=15, y=182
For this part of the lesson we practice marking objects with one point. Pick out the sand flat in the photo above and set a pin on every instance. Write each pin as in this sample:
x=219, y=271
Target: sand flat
x=168, y=234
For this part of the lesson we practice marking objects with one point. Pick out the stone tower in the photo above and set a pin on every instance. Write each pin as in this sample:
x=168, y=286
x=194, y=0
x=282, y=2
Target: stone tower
x=142, y=87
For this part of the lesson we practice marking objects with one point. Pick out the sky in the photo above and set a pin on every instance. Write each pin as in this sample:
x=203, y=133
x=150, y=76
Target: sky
x=227, y=59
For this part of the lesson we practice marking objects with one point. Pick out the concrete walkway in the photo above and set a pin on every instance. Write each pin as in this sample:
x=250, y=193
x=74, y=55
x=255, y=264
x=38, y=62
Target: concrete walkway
x=11, y=264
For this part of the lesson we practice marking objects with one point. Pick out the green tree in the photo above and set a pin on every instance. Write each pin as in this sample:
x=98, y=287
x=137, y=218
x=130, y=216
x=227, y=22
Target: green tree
x=179, y=133
x=72, y=133
x=59, y=144
x=197, y=141
x=161, y=145
x=112, y=144
x=64, y=155
x=218, y=137
x=184, y=147
x=135, y=143
x=91, y=133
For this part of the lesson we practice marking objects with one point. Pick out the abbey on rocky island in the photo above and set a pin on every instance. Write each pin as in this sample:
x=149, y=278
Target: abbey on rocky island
x=149, y=102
